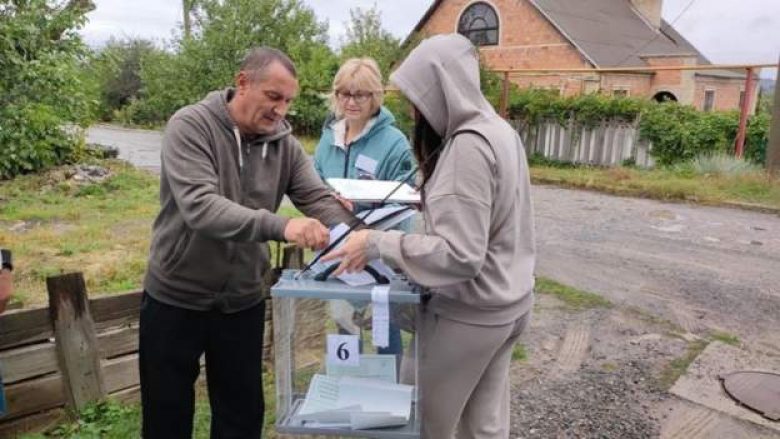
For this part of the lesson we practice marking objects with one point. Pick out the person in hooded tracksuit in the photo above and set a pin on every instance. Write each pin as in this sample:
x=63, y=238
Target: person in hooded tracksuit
x=477, y=253
x=360, y=141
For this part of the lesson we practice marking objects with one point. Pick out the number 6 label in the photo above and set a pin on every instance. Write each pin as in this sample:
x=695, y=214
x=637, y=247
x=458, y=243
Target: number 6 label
x=343, y=350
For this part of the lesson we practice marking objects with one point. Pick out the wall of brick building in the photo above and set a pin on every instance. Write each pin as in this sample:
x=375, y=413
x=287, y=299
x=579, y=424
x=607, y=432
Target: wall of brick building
x=727, y=92
x=530, y=42
x=638, y=85
x=681, y=83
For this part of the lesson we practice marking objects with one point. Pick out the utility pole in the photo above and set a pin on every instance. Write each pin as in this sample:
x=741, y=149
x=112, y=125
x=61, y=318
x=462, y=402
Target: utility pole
x=773, y=147
x=747, y=105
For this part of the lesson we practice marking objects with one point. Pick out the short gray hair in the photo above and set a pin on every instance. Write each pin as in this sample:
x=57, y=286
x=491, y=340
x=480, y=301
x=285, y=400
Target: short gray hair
x=257, y=60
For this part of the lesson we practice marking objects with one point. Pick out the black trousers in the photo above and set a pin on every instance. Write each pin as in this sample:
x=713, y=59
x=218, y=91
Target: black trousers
x=171, y=342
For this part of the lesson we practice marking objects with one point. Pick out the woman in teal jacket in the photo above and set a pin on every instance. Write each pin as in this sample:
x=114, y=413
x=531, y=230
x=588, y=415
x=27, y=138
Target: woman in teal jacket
x=360, y=141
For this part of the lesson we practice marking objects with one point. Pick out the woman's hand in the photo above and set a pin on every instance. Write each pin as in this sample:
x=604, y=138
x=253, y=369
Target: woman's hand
x=354, y=253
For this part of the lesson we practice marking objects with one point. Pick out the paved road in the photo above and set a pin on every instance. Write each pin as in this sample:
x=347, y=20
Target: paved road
x=701, y=267
x=139, y=147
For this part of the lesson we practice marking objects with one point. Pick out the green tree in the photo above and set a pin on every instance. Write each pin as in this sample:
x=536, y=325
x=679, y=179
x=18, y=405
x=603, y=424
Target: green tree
x=116, y=68
x=43, y=92
x=209, y=59
x=367, y=37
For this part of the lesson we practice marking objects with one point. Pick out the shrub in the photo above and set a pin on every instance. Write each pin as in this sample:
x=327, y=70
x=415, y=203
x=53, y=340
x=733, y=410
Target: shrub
x=44, y=94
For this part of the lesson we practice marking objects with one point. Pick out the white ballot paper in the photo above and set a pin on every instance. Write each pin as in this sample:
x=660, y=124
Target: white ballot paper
x=378, y=367
x=374, y=191
x=347, y=402
x=380, y=316
x=386, y=218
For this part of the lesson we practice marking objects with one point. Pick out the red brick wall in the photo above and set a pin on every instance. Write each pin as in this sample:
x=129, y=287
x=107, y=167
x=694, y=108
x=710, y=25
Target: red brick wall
x=638, y=85
x=727, y=92
x=667, y=78
x=529, y=42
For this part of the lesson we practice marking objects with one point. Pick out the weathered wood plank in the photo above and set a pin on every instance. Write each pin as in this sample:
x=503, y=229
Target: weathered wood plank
x=121, y=373
x=129, y=395
x=74, y=330
x=41, y=359
x=125, y=306
x=118, y=342
x=31, y=424
x=28, y=362
x=34, y=396
x=20, y=327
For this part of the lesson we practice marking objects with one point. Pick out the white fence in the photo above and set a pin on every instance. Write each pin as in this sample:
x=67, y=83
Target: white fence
x=608, y=144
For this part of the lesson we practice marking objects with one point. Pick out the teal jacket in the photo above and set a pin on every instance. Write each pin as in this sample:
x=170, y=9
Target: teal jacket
x=383, y=153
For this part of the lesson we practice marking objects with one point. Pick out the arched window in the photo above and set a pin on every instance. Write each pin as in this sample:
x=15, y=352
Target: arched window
x=479, y=23
x=664, y=96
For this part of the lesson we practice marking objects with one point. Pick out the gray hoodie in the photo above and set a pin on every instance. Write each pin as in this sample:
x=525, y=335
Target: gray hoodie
x=477, y=255
x=218, y=195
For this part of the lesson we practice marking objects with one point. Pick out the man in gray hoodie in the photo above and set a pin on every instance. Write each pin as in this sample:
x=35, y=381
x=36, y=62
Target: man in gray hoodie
x=227, y=162
x=477, y=254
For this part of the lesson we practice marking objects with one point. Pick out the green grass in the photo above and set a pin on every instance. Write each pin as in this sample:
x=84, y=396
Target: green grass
x=677, y=367
x=725, y=337
x=102, y=230
x=682, y=183
x=609, y=367
x=114, y=420
x=519, y=353
x=573, y=298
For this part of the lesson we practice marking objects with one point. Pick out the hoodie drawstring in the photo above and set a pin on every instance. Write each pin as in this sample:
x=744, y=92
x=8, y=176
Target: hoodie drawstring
x=238, y=148
x=265, y=149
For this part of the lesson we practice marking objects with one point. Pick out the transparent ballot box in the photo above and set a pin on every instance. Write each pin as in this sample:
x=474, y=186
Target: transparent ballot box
x=345, y=362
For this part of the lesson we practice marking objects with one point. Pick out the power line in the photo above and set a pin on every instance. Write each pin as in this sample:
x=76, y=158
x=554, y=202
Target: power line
x=685, y=9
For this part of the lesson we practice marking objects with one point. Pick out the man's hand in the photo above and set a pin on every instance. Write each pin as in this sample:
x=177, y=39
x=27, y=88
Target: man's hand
x=307, y=233
x=5, y=288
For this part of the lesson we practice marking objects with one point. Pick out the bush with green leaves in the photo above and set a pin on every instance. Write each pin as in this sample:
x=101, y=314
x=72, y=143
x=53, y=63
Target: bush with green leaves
x=43, y=92
x=678, y=132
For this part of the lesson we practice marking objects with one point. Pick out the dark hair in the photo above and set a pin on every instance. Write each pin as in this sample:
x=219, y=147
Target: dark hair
x=257, y=60
x=427, y=145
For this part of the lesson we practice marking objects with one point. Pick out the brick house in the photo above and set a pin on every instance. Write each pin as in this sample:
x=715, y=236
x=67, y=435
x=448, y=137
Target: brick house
x=566, y=34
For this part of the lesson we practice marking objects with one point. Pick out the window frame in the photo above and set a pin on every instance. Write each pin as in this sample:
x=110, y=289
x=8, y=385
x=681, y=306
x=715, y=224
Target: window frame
x=708, y=106
x=486, y=30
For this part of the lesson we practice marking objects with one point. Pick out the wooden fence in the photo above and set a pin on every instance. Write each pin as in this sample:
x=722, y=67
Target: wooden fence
x=608, y=144
x=57, y=359
x=66, y=354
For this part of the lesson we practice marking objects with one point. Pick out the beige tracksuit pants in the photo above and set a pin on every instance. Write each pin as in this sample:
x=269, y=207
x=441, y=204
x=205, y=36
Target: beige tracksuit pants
x=464, y=377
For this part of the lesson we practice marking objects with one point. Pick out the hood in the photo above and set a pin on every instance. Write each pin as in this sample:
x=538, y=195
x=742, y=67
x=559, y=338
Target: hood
x=441, y=78
x=216, y=103
x=383, y=119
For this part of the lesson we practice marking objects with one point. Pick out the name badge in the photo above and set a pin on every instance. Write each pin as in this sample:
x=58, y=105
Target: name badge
x=366, y=167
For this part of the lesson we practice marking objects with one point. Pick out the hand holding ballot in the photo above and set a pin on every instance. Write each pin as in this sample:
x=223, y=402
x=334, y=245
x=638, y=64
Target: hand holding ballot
x=353, y=253
x=307, y=233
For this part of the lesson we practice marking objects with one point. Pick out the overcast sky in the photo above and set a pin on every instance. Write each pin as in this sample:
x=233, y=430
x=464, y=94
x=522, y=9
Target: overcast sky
x=726, y=31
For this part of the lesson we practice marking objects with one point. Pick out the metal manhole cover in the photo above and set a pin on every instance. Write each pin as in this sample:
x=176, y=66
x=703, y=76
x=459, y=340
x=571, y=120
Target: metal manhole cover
x=758, y=391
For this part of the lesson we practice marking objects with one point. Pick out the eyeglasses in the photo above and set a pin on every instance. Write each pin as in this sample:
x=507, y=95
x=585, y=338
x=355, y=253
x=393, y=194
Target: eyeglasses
x=359, y=97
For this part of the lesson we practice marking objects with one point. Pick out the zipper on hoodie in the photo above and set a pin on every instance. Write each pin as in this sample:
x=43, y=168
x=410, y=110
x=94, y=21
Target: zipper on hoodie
x=346, y=160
